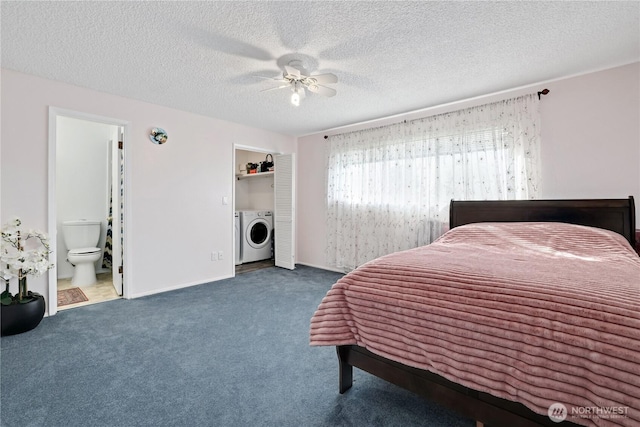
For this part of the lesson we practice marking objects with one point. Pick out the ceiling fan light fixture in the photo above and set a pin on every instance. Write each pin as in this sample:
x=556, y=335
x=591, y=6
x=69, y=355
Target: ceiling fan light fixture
x=298, y=93
x=295, y=99
x=297, y=78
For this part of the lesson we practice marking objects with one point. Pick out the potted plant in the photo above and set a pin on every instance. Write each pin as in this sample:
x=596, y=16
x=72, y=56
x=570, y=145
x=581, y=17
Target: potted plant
x=22, y=255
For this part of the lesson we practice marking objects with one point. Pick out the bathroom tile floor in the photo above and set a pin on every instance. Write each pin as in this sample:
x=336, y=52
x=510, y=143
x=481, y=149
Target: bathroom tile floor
x=102, y=291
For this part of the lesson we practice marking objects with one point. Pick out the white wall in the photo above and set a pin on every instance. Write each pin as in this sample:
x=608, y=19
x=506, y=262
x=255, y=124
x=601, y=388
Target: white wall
x=175, y=190
x=82, y=181
x=590, y=147
x=255, y=193
x=591, y=136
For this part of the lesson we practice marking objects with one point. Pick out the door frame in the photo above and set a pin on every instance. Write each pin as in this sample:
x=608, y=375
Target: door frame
x=54, y=113
x=233, y=195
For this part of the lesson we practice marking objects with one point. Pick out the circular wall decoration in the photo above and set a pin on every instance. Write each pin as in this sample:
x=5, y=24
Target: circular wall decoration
x=158, y=136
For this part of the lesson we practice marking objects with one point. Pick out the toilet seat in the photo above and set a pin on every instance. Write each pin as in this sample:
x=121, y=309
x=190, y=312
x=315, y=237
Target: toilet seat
x=84, y=251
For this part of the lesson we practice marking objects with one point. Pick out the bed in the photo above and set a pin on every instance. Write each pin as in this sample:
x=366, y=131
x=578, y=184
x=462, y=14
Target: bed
x=582, y=351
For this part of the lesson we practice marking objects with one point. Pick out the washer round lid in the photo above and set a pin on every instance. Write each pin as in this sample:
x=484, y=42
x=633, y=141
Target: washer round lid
x=258, y=234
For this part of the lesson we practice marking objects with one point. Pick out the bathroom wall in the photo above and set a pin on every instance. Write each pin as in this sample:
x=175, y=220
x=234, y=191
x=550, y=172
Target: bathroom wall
x=82, y=180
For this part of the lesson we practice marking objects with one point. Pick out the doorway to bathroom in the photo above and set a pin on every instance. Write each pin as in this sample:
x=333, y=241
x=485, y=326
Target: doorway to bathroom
x=86, y=206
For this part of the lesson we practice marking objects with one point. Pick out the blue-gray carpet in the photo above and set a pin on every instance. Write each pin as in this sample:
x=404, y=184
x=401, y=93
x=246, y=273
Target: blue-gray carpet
x=229, y=353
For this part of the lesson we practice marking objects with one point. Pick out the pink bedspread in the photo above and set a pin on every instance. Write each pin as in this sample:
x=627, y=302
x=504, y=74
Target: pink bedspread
x=536, y=313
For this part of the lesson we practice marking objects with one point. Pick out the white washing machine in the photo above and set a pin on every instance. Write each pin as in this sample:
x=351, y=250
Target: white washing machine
x=256, y=228
x=238, y=234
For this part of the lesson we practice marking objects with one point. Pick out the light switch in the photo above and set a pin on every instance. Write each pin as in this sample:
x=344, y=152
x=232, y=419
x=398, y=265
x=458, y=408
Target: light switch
x=225, y=200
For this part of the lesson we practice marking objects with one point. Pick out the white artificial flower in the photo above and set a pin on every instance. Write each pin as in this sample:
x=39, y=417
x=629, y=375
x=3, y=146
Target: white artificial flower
x=21, y=253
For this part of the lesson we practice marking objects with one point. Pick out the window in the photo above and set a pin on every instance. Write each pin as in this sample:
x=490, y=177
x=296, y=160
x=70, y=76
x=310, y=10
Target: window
x=389, y=188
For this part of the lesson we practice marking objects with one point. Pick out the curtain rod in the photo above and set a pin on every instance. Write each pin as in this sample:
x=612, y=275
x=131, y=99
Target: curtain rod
x=544, y=91
x=377, y=127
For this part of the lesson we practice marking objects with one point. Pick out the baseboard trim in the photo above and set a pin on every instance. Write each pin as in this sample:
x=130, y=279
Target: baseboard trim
x=180, y=286
x=321, y=267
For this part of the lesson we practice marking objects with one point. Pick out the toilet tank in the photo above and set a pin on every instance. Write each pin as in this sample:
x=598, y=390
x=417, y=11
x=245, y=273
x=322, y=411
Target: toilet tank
x=81, y=233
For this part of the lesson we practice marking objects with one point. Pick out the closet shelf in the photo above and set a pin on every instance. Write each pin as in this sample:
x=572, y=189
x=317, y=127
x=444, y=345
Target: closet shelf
x=254, y=175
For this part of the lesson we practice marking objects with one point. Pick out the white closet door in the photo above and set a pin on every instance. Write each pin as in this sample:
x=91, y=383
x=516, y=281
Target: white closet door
x=284, y=216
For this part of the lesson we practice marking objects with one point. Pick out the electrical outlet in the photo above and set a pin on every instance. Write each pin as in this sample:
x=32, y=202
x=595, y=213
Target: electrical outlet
x=220, y=255
x=214, y=256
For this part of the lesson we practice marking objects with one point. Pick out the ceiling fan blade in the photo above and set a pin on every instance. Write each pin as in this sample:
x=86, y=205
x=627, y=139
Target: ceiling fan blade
x=324, y=78
x=322, y=90
x=276, y=88
x=291, y=72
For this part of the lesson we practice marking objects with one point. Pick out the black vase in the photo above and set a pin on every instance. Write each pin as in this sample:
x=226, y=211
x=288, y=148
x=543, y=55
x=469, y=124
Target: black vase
x=19, y=318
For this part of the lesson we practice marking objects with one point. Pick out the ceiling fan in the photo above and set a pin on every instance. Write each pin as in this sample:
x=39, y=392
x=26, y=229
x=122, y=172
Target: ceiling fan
x=299, y=80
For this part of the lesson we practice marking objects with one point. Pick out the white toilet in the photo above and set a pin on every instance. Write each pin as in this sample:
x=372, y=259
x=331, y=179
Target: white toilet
x=81, y=238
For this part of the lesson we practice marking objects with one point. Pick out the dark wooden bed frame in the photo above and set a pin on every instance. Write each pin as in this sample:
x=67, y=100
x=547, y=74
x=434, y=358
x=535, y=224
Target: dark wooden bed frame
x=612, y=214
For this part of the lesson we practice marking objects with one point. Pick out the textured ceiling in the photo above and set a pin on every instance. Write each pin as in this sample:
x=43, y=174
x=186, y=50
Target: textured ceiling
x=390, y=57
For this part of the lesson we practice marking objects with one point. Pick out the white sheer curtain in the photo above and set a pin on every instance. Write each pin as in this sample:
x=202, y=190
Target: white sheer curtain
x=389, y=188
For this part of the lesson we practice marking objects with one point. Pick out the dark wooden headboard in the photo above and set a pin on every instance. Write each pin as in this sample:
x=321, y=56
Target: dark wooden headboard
x=617, y=215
